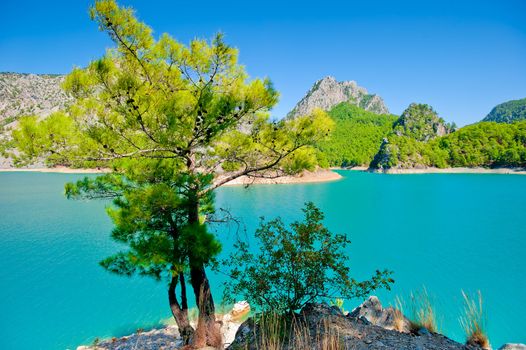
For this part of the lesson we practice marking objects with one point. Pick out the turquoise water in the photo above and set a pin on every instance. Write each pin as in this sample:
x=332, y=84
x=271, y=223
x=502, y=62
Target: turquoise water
x=446, y=232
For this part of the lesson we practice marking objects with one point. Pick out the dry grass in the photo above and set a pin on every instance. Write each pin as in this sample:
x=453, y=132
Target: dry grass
x=272, y=327
x=473, y=321
x=399, y=318
x=276, y=332
x=422, y=312
x=328, y=338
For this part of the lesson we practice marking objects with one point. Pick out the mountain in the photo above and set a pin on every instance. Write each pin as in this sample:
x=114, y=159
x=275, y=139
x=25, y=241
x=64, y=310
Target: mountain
x=508, y=112
x=327, y=93
x=30, y=94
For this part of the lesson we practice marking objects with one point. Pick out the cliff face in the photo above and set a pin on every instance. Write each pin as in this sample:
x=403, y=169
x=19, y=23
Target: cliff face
x=30, y=94
x=327, y=93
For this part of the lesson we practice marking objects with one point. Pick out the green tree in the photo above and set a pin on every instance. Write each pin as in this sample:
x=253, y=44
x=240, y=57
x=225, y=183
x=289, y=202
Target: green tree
x=172, y=123
x=294, y=267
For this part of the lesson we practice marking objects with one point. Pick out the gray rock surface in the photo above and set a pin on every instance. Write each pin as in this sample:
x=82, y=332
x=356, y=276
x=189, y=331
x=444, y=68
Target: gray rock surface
x=511, y=346
x=352, y=332
x=376, y=314
x=30, y=94
x=327, y=92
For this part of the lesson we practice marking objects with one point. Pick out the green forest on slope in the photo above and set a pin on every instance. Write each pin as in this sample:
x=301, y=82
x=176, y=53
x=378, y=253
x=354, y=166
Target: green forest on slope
x=419, y=138
x=508, y=112
x=356, y=137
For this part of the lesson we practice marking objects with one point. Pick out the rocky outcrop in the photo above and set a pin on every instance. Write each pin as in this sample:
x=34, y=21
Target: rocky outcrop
x=511, y=346
x=327, y=93
x=168, y=337
x=30, y=94
x=369, y=326
x=421, y=122
x=328, y=325
x=388, y=318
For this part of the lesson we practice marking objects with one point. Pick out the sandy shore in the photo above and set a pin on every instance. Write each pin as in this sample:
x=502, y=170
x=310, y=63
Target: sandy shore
x=305, y=177
x=63, y=170
x=518, y=171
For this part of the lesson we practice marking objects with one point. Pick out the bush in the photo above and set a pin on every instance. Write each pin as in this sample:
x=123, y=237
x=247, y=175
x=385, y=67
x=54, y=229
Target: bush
x=293, y=267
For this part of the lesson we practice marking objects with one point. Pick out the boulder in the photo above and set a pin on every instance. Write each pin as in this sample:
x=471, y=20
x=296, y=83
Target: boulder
x=388, y=318
x=511, y=346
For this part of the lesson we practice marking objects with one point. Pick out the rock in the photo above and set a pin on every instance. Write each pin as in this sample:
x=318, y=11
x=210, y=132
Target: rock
x=423, y=331
x=511, y=346
x=320, y=322
x=240, y=309
x=420, y=122
x=232, y=320
x=25, y=94
x=168, y=337
x=327, y=93
x=388, y=318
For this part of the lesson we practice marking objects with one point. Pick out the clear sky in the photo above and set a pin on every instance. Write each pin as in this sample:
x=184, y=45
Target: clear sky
x=461, y=57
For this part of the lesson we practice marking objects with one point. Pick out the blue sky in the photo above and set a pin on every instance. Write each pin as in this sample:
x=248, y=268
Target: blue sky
x=461, y=57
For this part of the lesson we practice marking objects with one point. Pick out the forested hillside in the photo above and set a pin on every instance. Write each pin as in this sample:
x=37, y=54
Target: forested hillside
x=508, y=112
x=417, y=139
x=356, y=137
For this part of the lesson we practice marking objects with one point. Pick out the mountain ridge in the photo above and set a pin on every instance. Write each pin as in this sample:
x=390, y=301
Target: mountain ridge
x=30, y=94
x=507, y=112
x=328, y=92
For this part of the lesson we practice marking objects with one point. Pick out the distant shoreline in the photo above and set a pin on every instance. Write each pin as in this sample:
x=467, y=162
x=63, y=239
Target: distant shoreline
x=305, y=177
x=59, y=170
x=460, y=170
x=320, y=175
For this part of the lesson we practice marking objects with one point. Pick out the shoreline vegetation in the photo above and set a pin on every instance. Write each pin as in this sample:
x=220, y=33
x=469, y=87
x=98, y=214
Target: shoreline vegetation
x=433, y=170
x=320, y=175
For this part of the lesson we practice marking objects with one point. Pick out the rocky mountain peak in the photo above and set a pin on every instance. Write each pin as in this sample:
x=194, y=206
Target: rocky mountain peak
x=328, y=92
x=30, y=94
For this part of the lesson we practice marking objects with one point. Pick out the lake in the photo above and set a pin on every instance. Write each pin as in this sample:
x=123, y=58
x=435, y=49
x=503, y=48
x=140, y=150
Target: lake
x=447, y=232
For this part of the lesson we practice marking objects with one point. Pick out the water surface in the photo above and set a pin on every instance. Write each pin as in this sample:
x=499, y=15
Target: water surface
x=446, y=232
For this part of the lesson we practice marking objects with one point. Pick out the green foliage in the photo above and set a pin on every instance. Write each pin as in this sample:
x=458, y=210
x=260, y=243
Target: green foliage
x=420, y=122
x=508, y=112
x=295, y=266
x=356, y=137
x=168, y=120
x=150, y=218
x=485, y=144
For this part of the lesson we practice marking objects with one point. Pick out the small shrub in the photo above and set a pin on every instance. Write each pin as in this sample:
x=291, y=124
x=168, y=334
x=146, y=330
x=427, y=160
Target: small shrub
x=338, y=302
x=473, y=321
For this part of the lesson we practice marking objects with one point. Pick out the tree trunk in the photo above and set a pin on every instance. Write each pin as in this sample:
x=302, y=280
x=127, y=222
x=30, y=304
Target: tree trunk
x=180, y=312
x=207, y=331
